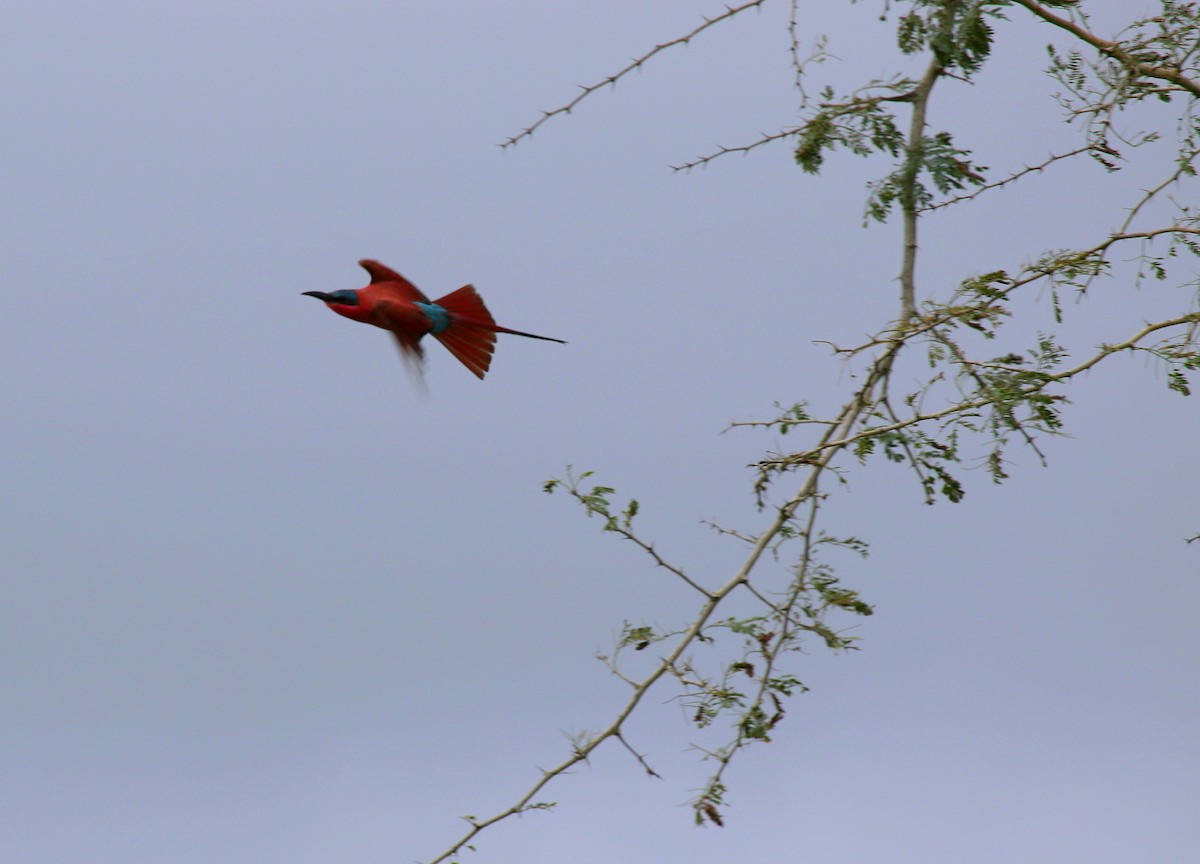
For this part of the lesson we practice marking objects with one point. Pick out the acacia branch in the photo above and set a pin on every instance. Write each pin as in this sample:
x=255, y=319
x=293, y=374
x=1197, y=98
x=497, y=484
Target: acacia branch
x=908, y=190
x=636, y=63
x=770, y=653
x=943, y=316
x=1114, y=50
x=1183, y=167
x=613, y=730
x=694, y=631
x=765, y=138
x=971, y=369
x=857, y=103
x=1011, y=178
x=817, y=452
x=795, y=609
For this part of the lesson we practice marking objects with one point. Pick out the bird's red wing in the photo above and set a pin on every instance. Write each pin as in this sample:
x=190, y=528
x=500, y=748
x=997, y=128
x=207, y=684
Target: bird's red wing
x=396, y=314
x=389, y=280
x=410, y=350
x=407, y=324
x=413, y=356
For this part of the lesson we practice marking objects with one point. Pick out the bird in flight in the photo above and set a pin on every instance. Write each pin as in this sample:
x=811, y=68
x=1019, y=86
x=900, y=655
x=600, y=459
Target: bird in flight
x=459, y=320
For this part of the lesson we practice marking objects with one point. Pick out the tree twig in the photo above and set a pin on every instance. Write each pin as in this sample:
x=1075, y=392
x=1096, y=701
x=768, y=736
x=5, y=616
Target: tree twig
x=588, y=89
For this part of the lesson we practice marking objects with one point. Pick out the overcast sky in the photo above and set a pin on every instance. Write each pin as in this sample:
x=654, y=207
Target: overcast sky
x=264, y=601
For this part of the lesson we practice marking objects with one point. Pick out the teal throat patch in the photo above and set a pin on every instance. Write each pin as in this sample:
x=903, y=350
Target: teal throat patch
x=437, y=316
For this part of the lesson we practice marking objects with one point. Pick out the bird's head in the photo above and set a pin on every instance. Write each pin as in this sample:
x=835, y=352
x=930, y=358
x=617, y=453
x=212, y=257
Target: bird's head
x=335, y=298
x=346, y=303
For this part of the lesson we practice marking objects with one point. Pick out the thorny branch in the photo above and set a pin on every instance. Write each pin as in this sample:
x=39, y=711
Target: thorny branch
x=1013, y=177
x=588, y=89
x=806, y=457
x=867, y=419
x=764, y=138
x=857, y=102
x=585, y=748
x=1114, y=50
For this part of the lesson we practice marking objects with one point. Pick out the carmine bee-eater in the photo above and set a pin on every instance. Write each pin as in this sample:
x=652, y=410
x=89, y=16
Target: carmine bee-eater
x=459, y=320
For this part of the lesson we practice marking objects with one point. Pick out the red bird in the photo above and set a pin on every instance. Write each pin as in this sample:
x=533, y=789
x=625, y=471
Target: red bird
x=459, y=320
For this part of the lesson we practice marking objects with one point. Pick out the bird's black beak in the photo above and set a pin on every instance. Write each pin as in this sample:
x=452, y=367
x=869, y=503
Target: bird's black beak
x=320, y=295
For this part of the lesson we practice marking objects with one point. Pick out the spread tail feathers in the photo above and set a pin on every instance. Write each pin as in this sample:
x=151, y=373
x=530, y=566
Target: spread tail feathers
x=471, y=336
x=472, y=345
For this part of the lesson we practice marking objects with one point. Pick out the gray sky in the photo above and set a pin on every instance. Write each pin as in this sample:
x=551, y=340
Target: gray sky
x=265, y=601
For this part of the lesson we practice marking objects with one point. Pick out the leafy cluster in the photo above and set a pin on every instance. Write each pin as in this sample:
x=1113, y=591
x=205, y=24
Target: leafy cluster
x=957, y=33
